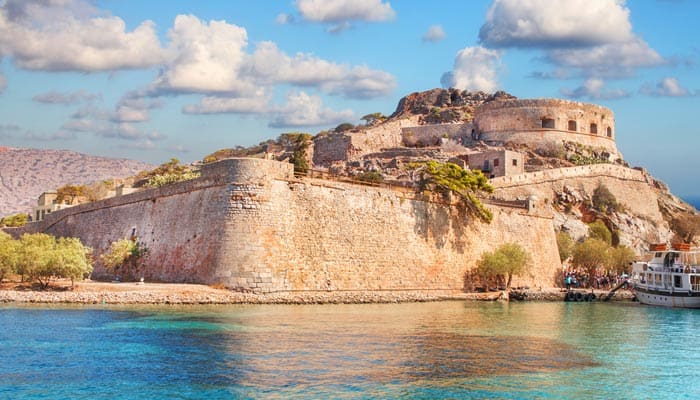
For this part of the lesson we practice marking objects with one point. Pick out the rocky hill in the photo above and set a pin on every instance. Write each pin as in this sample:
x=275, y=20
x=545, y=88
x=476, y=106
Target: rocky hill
x=26, y=173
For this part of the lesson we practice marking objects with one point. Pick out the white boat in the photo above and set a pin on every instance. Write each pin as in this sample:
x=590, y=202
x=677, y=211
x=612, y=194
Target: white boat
x=670, y=278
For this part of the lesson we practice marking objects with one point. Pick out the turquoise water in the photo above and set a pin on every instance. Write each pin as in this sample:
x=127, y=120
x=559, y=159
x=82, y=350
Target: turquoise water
x=424, y=351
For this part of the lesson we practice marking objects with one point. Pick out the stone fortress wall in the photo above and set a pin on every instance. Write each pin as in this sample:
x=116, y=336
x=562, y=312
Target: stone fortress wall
x=534, y=122
x=249, y=224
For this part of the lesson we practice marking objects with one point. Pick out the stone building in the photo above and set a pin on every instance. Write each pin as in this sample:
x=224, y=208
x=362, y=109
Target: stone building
x=497, y=163
x=48, y=203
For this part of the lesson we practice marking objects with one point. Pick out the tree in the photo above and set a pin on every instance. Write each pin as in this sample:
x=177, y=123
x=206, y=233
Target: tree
x=72, y=259
x=165, y=174
x=97, y=190
x=590, y=254
x=69, y=193
x=508, y=260
x=124, y=257
x=620, y=258
x=598, y=230
x=564, y=244
x=9, y=248
x=42, y=257
x=604, y=200
x=14, y=220
x=345, y=126
x=451, y=178
x=35, y=256
x=371, y=119
x=300, y=143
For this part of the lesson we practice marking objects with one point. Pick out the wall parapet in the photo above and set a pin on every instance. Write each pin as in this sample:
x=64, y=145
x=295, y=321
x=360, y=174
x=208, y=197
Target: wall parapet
x=595, y=170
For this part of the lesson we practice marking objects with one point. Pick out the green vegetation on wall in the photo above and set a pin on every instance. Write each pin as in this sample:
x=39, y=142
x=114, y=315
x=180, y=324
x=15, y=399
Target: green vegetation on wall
x=125, y=257
x=451, y=178
x=167, y=173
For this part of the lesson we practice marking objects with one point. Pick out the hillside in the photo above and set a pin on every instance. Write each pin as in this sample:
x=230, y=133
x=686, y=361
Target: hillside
x=26, y=173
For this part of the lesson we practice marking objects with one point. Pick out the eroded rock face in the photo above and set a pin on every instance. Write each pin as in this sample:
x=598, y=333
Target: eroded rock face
x=445, y=105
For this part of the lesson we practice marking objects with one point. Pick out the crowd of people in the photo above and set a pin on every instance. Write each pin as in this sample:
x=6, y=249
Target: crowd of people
x=579, y=278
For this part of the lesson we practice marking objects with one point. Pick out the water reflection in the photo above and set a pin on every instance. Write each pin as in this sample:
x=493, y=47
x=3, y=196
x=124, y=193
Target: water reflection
x=325, y=345
x=429, y=350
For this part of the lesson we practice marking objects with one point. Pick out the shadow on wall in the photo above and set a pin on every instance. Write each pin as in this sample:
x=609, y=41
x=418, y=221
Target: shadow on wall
x=441, y=223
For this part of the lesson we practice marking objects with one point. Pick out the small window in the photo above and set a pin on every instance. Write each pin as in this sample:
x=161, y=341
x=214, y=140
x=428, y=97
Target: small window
x=548, y=123
x=572, y=125
x=594, y=129
x=515, y=162
x=486, y=165
x=609, y=132
x=496, y=162
x=677, y=281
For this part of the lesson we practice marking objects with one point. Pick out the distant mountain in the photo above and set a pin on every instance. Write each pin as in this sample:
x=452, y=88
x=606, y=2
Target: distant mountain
x=26, y=173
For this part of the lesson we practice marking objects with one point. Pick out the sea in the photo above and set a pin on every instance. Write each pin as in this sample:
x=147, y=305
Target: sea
x=435, y=350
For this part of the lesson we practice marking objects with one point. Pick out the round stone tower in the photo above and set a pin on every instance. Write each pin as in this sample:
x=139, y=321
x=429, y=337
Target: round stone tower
x=539, y=122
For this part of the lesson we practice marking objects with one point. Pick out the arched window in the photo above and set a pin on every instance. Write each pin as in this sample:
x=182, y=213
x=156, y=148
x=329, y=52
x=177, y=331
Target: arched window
x=548, y=123
x=572, y=125
x=609, y=132
x=594, y=129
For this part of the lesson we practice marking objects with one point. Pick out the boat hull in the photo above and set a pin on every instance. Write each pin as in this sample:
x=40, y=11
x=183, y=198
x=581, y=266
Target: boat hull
x=667, y=299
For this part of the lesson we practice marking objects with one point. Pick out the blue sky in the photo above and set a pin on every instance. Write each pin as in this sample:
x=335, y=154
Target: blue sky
x=152, y=80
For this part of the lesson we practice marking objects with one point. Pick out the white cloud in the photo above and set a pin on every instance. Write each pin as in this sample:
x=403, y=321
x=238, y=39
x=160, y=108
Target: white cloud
x=140, y=145
x=345, y=10
x=54, y=97
x=70, y=35
x=179, y=148
x=475, y=68
x=284, y=19
x=107, y=124
x=595, y=89
x=236, y=105
x=60, y=135
x=555, y=23
x=590, y=38
x=269, y=65
x=608, y=60
x=204, y=58
x=304, y=110
x=134, y=109
x=339, y=27
x=8, y=131
x=434, y=34
x=667, y=87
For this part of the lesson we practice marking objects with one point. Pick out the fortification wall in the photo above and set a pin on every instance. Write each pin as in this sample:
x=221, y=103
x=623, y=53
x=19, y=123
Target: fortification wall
x=429, y=135
x=631, y=187
x=349, y=237
x=249, y=225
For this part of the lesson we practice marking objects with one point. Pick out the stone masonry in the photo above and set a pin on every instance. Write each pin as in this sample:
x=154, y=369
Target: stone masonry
x=249, y=225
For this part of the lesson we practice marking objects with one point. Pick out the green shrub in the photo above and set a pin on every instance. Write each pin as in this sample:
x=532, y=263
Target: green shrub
x=604, y=200
x=508, y=260
x=14, y=221
x=370, y=176
x=565, y=244
x=451, y=178
x=598, y=230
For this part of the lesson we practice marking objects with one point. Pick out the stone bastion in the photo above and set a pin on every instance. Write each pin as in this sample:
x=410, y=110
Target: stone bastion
x=250, y=225
x=538, y=122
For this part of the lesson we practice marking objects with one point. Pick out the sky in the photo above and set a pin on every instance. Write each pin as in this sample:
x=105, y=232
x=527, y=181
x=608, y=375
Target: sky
x=152, y=80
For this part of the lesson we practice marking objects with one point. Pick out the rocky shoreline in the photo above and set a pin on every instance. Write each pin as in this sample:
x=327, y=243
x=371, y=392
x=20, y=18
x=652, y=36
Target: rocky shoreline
x=133, y=293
